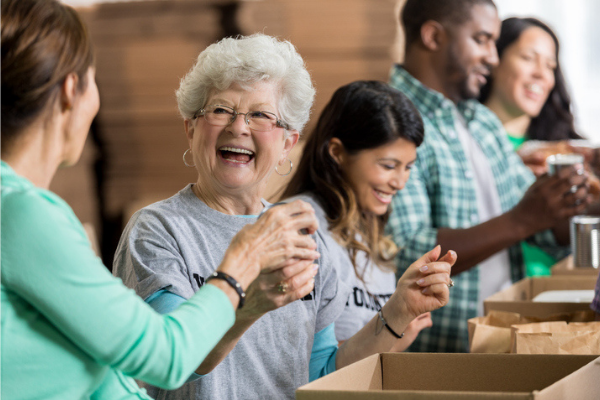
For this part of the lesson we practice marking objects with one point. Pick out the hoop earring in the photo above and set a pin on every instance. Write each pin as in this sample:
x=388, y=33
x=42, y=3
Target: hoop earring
x=289, y=172
x=184, y=160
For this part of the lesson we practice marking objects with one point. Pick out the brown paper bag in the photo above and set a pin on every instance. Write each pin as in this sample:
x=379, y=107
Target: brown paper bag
x=492, y=333
x=556, y=338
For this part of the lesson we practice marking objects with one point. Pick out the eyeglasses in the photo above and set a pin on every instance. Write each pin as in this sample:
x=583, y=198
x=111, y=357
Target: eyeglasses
x=260, y=121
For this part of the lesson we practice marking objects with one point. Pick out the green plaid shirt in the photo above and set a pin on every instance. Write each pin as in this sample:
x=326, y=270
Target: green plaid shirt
x=441, y=193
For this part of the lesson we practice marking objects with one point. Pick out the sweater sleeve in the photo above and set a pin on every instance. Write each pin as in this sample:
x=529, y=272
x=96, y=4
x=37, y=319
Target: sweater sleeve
x=116, y=386
x=164, y=302
x=47, y=261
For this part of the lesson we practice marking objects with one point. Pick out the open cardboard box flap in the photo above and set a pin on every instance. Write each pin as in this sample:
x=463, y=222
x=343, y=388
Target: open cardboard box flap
x=581, y=384
x=460, y=376
x=518, y=297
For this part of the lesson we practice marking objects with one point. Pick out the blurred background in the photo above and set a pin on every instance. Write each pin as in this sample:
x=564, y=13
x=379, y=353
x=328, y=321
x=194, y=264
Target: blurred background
x=133, y=156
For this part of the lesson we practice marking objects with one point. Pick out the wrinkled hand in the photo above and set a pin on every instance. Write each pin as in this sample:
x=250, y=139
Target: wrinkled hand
x=412, y=331
x=550, y=200
x=424, y=285
x=273, y=242
x=265, y=293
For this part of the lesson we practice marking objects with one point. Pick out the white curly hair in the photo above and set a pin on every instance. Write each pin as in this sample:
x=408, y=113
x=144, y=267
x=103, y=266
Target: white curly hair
x=246, y=60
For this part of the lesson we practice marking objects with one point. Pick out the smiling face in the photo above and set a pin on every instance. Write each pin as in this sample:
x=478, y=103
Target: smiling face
x=232, y=159
x=375, y=175
x=471, y=53
x=525, y=76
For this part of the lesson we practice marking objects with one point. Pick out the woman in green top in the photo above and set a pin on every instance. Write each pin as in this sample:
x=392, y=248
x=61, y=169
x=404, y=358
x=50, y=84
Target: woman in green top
x=70, y=330
x=527, y=89
x=527, y=92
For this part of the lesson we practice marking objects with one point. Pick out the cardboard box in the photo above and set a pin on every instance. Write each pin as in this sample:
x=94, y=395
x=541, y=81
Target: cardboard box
x=518, y=297
x=567, y=267
x=460, y=376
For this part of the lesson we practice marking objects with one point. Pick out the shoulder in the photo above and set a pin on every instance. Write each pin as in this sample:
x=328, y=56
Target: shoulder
x=311, y=199
x=163, y=214
x=39, y=230
x=490, y=124
x=37, y=206
x=486, y=117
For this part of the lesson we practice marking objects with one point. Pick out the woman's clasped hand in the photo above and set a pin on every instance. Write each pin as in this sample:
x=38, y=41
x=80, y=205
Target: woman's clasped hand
x=285, y=256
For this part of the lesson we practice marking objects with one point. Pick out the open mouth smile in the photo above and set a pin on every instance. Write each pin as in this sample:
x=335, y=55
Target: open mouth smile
x=236, y=155
x=383, y=196
x=534, y=88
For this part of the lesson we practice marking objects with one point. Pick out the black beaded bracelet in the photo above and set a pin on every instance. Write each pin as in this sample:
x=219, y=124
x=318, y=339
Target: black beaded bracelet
x=388, y=327
x=232, y=282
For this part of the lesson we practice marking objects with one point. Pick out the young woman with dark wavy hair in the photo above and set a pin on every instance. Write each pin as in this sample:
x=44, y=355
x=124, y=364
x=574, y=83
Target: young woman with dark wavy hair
x=527, y=92
x=358, y=156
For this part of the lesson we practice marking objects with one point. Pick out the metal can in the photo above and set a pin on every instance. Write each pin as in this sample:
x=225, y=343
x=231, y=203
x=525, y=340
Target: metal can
x=585, y=241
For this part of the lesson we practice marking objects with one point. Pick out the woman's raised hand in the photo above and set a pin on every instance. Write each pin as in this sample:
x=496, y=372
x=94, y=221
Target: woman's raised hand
x=425, y=285
x=277, y=251
x=287, y=231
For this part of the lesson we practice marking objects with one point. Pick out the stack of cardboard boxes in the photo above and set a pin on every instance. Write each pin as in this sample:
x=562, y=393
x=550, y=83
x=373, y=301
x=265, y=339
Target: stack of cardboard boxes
x=144, y=48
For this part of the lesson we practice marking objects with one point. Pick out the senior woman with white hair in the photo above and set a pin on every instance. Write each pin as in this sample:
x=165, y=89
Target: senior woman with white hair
x=169, y=249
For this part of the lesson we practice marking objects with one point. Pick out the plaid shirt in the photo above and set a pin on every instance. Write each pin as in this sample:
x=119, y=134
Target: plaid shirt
x=441, y=193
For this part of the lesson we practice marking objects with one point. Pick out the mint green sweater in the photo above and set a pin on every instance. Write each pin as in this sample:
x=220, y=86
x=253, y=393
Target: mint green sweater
x=70, y=330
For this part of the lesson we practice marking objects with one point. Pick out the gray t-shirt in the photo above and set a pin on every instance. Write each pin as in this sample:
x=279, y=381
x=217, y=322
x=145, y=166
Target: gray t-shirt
x=367, y=296
x=174, y=245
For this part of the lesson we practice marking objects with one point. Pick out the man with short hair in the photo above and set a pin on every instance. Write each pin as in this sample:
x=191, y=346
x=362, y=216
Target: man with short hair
x=468, y=190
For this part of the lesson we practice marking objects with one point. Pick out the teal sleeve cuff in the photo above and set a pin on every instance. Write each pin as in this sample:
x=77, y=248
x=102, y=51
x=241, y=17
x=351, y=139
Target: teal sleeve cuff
x=163, y=301
x=324, y=351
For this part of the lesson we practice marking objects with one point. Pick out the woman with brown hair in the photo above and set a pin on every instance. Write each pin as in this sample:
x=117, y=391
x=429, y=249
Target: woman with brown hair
x=356, y=159
x=70, y=330
x=528, y=93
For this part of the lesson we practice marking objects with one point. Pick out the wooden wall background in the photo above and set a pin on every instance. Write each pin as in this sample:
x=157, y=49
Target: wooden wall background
x=133, y=156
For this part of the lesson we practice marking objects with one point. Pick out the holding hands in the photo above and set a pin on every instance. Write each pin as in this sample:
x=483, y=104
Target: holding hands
x=273, y=259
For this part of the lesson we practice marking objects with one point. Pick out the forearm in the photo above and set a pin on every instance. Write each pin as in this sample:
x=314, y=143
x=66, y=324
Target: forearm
x=227, y=343
x=562, y=233
x=233, y=296
x=165, y=302
x=373, y=337
x=477, y=243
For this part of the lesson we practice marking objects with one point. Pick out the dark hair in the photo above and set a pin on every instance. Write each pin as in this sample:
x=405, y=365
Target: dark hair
x=416, y=12
x=43, y=41
x=362, y=115
x=555, y=120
